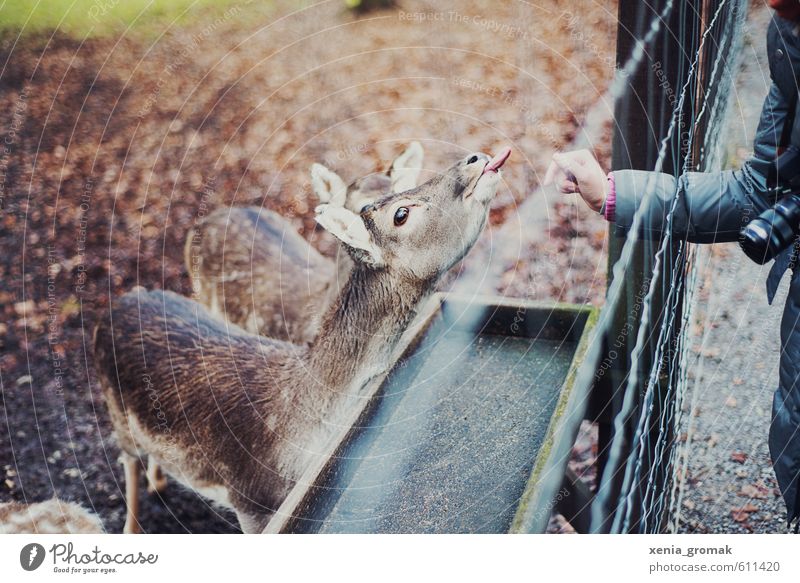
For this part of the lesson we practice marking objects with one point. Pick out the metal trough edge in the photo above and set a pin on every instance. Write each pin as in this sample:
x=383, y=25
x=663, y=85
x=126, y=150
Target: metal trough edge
x=548, y=471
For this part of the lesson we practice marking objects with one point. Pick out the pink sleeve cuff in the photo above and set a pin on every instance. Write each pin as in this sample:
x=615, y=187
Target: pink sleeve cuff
x=610, y=207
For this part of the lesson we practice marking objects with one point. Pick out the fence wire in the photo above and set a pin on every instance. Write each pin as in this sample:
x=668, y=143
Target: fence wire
x=639, y=488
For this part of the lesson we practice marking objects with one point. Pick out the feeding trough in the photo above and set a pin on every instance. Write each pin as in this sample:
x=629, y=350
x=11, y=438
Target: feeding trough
x=465, y=434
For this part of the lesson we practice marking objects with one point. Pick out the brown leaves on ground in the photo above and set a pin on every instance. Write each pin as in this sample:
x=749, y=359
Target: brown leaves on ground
x=758, y=491
x=739, y=457
x=742, y=513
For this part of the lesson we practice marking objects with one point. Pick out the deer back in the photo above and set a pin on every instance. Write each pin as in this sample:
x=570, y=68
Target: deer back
x=250, y=266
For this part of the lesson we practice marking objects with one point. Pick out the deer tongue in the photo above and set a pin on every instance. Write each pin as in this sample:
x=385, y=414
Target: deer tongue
x=496, y=162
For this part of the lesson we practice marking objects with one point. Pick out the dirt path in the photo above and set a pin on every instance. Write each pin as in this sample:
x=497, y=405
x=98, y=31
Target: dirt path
x=730, y=486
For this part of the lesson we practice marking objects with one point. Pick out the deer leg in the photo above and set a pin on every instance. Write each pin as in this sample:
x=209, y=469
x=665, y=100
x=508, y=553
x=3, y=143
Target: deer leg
x=156, y=480
x=252, y=523
x=131, y=467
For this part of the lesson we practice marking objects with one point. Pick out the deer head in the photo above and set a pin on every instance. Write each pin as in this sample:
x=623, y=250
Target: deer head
x=420, y=233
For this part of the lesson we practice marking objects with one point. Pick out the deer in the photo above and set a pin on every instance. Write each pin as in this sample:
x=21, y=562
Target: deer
x=249, y=265
x=238, y=417
x=53, y=516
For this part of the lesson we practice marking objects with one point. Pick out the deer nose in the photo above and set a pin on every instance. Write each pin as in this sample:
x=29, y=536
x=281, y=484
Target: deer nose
x=477, y=157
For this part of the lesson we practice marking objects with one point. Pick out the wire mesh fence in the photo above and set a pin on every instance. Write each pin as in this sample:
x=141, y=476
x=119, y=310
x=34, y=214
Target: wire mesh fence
x=669, y=119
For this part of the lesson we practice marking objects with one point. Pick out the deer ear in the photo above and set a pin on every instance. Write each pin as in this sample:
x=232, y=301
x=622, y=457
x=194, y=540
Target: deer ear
x=328, y=186
x=349, y=228
x=406, y=168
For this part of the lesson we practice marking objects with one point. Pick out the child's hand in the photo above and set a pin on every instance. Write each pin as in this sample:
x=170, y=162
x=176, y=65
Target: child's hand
x=579, y=172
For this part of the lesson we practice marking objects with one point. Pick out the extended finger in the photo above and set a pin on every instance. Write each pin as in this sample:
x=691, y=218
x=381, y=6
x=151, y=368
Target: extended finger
x=570, y=165
x=550, y=176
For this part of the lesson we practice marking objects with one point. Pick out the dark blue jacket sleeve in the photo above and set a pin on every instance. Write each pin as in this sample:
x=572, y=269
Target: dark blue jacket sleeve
x=709, y=207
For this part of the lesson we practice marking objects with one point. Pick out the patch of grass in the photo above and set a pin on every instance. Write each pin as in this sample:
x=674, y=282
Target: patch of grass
x=104, y=17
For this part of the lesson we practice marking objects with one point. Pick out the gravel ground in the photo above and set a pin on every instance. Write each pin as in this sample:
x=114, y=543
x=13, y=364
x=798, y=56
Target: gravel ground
x=729, y=484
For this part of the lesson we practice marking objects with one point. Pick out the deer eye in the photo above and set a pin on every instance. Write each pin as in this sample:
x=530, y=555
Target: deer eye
x=472, y=160
x=401, y=216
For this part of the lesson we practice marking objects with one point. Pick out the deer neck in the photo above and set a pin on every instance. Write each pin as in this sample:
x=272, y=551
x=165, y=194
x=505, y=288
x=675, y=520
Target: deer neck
x=363, y=326
x=357, y=337
x=344, y=265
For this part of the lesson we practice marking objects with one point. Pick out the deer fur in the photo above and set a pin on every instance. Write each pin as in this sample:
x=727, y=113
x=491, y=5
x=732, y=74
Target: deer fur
x=238, y=417
x=51, y=517
x=249, y=265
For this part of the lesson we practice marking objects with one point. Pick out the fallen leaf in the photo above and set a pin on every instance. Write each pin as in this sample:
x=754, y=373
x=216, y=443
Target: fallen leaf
x=24, y=308
x=739, y=457
x=739, y=516
x=753, y=491
x=743, y=513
